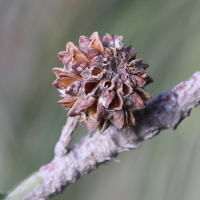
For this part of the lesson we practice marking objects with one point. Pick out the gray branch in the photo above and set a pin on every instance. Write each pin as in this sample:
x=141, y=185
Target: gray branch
x=164, y=112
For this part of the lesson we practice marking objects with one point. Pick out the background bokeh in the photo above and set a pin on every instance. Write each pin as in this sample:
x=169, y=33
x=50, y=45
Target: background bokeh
x=166, y=34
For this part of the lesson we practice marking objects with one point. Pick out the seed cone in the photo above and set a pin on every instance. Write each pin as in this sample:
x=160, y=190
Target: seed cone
x=102, y=81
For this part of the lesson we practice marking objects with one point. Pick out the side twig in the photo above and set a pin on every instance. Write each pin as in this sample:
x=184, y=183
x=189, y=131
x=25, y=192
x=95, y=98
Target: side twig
x=67, y=134
x=164, y=112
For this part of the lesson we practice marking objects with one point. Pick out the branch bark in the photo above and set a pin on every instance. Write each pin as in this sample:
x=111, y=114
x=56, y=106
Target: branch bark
x=164, y=112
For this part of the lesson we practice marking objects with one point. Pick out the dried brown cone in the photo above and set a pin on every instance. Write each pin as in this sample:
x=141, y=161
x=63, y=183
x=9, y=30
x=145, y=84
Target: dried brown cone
x=102, y=81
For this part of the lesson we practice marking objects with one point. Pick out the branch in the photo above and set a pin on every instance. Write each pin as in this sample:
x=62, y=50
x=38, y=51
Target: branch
x=164, y=112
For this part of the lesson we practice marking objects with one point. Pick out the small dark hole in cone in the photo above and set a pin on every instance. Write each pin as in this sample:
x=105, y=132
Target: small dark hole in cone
x=126, y=89
x=103, y=125
x=96, y=71
x=115, y=102
x=90, y=86
x=108, y=84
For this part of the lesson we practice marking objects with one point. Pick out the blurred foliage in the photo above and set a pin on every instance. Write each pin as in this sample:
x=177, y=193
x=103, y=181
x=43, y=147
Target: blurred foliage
x=165, y=34
x=3, y=195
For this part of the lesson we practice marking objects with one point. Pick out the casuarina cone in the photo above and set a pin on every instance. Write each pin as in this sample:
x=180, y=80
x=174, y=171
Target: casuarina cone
x=102, y=81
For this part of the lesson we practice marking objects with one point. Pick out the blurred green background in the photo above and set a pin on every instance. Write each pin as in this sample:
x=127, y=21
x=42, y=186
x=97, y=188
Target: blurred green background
x=166, y=34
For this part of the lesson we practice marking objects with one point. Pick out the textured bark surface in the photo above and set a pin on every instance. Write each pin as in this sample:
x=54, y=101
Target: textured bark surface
x=164, y=112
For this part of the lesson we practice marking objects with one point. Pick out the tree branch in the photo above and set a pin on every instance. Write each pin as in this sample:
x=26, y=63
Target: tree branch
x=164, y=112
